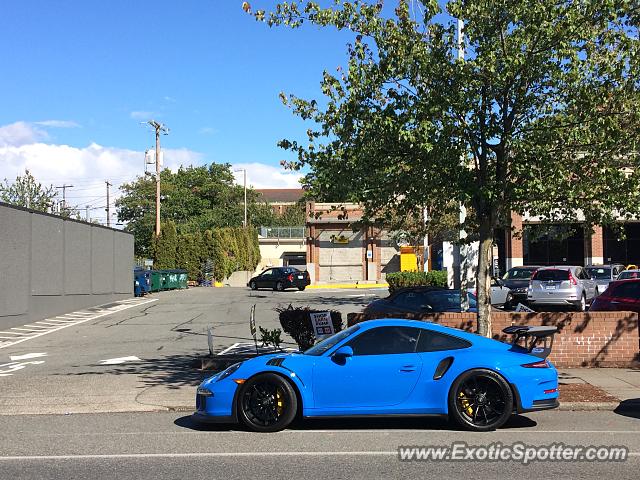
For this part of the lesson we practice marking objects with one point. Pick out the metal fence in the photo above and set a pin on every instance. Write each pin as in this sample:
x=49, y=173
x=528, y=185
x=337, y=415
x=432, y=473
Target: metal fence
x=282, y=232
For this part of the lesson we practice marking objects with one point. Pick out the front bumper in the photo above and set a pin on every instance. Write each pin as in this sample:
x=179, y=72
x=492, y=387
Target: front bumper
x=200, y=417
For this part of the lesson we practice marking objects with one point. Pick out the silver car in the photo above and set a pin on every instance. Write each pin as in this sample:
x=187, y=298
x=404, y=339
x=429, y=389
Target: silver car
x=561, y=286
x=603, y=275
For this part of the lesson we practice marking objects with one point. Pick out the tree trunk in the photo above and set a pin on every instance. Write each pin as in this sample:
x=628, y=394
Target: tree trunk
x=483, y=286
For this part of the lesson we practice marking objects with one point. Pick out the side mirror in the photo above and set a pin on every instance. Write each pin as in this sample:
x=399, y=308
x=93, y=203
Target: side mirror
x=499, y=282
x=343, y=353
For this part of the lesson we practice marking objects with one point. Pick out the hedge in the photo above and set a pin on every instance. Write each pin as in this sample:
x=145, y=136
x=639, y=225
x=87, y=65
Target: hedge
x=433, y=278
x=227, y=249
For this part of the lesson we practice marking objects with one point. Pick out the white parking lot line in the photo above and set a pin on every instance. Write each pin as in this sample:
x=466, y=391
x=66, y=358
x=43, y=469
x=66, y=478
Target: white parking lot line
x=24, y=334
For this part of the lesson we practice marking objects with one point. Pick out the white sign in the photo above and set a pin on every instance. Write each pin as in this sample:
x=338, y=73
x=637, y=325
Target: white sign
x=322, y=324
x=523, y=308
x=369, y=254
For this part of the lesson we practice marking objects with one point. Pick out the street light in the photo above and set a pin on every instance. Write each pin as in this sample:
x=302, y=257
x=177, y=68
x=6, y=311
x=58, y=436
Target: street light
x=244, y=171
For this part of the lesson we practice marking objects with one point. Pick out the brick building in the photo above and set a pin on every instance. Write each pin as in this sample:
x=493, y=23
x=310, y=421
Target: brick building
x=337, y=253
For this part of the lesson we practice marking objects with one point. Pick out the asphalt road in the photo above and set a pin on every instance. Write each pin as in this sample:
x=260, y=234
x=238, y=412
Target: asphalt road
x=143, y=358
x=169, y=445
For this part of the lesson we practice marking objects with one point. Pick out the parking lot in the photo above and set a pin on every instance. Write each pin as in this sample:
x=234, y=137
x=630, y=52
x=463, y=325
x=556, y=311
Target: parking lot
x=145, y=357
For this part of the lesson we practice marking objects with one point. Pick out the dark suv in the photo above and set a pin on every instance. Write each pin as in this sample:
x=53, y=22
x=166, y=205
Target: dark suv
x=280, y=278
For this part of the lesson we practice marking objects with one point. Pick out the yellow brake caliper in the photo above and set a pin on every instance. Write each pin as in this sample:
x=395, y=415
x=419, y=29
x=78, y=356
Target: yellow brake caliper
x=279, y=402
x=465, y=403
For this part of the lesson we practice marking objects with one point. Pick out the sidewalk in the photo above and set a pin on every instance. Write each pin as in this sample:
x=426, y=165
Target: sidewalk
x=621, y=383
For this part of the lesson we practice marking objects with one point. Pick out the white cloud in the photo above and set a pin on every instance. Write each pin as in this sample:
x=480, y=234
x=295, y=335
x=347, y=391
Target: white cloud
x=207, y=131
x=260, y=175
x=142, y=115
x=20, y=133
x=85, y=168
x=58, y=124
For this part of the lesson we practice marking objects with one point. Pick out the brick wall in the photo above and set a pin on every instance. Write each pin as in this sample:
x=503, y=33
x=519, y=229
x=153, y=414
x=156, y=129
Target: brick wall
x=597, y=339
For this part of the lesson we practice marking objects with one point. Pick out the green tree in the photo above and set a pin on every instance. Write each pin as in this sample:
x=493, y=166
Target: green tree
x=218, y=256
x=539, y=115
x=165, y=247
x=27, y=192
x=196, y=199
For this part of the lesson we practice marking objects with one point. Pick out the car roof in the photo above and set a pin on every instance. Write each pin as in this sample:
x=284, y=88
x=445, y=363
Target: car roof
x=634, y=270
x=560, y=267
x=607, y=265
x=525, y=267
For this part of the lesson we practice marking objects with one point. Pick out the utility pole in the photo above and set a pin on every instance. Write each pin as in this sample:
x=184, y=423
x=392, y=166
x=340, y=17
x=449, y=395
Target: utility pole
x=64, y=194
x=86, y=214
x=245, y=198
x=159, y=128
x=108, y=209
x=244, y=172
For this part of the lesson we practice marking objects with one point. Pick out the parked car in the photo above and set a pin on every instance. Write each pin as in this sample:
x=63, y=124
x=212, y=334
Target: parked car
x=628, y=274
x=499, y=293
x=561, y=286
x=621, y=295
x=604, y=274
x=419, y=300
x=280, y=278
x=517, y=281
x=388, y=367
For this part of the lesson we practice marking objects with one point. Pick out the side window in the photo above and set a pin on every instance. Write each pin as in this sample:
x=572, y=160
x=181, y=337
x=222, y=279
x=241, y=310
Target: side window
x=385, y=341
x=267, y=273
x=628, y=290
x=410, y=299
x=580, y=274
x=435, y=342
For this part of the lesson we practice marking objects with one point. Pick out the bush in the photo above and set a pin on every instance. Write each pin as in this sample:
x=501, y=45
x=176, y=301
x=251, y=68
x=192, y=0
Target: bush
x=296, y=322
x=434, y=278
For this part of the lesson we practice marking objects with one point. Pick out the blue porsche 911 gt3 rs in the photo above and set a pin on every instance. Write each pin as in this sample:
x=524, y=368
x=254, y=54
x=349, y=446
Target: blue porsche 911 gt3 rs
x=389, y=367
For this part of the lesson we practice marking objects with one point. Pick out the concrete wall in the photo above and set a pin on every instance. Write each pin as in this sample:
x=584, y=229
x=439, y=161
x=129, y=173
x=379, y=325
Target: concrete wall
x=50, y=266
x=272, y=252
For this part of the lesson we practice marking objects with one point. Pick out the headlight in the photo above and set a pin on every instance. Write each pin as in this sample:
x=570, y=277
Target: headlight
x=204, y=391
x=228, y=371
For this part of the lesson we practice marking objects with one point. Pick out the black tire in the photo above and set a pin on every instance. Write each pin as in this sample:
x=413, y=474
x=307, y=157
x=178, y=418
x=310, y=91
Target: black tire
x=267, y=403
x=508, y=303
x=279, y=287
x=480, y=400
x=301, y=288
x=253, y=285
x=581, y=306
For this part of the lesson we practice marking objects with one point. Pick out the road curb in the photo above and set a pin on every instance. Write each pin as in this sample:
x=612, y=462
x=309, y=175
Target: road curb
x=588, y=406
x=348, y=286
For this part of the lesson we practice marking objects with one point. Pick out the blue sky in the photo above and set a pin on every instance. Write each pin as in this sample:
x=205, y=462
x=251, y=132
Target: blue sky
x=83, y=74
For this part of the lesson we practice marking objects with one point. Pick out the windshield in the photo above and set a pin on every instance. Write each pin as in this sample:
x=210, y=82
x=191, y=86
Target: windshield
x=599, y=273
x=519, y=274
x=328, y=343
x=627, y=275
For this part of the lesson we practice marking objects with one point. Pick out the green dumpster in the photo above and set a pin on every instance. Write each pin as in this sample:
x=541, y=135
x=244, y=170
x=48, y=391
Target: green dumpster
x=156, y=281
x=164, y=280
x=183, y=276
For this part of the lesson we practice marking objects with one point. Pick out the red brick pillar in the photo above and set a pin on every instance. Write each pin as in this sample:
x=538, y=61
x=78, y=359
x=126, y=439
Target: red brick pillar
x=513, y=243
x=596, y=254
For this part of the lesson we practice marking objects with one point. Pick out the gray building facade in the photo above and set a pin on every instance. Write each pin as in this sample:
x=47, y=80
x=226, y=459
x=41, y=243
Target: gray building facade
x=50, y=265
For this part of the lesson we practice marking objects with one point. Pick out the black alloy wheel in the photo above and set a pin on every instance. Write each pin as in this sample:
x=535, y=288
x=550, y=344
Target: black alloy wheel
x=480, y=400
x=253, y=285
x=508, y=302
x=267, y=403
x=279, y=287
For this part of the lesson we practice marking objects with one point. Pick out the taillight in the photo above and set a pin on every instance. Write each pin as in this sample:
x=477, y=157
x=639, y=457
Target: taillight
x=571, y=279
x=551, y=390
x=290, y=277
x=539, y=364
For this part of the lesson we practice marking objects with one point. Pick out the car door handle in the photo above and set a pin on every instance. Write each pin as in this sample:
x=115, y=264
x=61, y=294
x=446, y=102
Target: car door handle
x=408, y=368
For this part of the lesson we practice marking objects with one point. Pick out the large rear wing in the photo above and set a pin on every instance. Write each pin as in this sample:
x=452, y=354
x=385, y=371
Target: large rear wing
x=537, y=341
